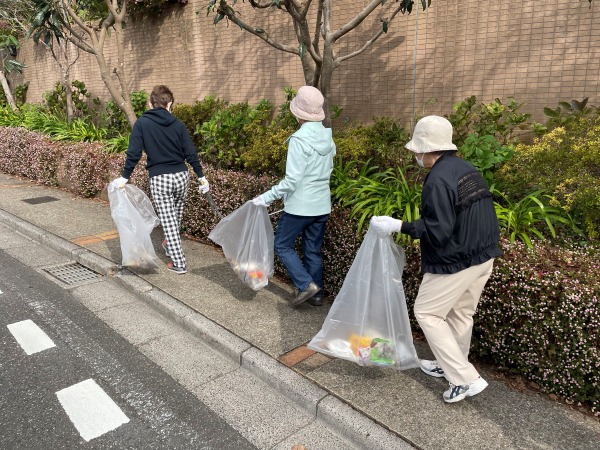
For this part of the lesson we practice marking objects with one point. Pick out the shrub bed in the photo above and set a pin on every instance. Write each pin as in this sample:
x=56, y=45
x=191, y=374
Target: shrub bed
x=539, y=315
x=565, y=163
x=31, y=155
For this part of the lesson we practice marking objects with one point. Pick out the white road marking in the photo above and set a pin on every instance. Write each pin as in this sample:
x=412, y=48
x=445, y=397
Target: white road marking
x=90, y=409
x=30, y=336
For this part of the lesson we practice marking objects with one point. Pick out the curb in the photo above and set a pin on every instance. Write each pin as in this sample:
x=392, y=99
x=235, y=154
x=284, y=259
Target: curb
x=340, y=416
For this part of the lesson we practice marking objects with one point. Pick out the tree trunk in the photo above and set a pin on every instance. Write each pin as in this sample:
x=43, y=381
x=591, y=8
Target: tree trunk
x=115, y=93
x=69, y=95
x=325, y=82
x=120, y=72
x=7, y=93
x=62, y=59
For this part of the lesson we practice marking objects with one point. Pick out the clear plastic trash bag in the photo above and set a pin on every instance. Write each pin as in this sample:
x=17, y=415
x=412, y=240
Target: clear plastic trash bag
x=132, y=211
x=368, y=321
x=246, y=236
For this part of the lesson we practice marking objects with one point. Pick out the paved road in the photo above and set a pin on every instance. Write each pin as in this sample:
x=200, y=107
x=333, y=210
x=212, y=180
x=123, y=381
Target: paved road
x=67, y=380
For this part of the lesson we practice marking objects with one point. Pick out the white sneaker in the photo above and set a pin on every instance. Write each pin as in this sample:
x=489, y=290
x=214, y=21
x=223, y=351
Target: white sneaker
x=432, y=368
x=457, y=393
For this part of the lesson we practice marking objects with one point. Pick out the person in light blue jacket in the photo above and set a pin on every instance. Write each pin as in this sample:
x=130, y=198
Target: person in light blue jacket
x=306, y=196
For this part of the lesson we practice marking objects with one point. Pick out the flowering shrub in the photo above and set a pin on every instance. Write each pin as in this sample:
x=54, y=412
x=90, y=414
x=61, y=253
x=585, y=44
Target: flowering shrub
x=86, y=166
x=28, y=154
x=538, y=316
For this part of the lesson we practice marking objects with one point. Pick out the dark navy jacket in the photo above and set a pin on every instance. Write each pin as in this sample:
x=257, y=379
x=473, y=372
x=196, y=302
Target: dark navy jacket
x=166, y=142
x=458, y=227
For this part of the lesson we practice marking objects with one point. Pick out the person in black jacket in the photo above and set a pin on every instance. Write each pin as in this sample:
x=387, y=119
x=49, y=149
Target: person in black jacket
x=459, y=234
x=168, y=146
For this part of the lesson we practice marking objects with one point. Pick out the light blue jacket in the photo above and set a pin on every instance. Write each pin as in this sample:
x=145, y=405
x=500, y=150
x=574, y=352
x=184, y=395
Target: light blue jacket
x=305, y=187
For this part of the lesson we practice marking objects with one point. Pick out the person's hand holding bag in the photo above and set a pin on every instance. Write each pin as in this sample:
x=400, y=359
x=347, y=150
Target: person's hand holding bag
x=386, y=225
x=258, y=201
x=203, y=186
x=120, y=182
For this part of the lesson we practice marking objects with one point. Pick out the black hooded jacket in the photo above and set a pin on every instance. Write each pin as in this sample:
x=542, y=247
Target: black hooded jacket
x=166, y=141
x=458, y=227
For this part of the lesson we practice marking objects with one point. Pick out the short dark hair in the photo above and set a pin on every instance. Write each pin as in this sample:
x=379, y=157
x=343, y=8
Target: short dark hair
x=161, y=96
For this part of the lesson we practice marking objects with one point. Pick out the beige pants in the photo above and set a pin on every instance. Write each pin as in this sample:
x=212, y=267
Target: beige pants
x=444, y=308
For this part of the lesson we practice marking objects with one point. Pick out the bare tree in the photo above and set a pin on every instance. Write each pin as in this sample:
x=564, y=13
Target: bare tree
x=315, y=42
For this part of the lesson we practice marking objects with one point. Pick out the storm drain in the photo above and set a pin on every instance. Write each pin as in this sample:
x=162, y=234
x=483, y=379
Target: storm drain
x=72, y=274
x=39, y=200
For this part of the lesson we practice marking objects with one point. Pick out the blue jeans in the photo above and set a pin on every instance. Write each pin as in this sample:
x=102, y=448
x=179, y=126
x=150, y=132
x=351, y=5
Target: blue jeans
x=312, y=229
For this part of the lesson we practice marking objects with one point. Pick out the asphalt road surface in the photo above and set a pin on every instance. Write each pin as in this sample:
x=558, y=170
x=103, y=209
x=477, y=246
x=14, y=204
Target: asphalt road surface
x=68, y=381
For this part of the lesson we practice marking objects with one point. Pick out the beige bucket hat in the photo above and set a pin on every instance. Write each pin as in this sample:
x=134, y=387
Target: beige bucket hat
x=308, y=104
x=431, y=134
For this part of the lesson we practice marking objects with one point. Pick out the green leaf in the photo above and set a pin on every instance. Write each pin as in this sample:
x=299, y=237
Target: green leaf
x=385, y=26
x=259, y=30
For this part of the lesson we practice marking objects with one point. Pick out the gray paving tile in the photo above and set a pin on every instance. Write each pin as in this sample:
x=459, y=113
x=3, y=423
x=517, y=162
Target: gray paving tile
x=187, y=359
x=102, y=295
x=137, y=322
x=260, y=414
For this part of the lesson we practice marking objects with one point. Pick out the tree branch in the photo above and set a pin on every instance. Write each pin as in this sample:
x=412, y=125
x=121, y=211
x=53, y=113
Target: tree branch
x=260, y=5
x=369, y=42
x=357, y=20
x=298, y=7
x=73, y=15
x=78, y=40
x=264, y=35
x=318, y=24
x=113, y=7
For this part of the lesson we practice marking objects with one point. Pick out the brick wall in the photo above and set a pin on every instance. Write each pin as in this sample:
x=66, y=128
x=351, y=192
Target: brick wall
x=540, y=53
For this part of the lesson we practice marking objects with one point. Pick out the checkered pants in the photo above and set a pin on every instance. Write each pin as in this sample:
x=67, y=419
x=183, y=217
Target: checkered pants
x=169, y=192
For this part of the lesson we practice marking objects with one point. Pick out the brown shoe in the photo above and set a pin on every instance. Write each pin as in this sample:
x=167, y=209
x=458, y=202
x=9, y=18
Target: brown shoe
x=306, y=294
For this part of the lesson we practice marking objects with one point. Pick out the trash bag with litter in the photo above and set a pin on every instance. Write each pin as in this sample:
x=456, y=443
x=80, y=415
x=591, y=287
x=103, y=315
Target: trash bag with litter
x=132, y=211
x=246, y=236
x=368, y=322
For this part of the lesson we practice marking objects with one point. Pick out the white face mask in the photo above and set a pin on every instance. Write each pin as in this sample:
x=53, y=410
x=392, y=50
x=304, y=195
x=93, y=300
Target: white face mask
x=420, y=160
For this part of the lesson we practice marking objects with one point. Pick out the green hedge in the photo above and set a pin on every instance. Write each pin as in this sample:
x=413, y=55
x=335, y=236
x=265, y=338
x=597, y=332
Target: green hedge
x=566, y=164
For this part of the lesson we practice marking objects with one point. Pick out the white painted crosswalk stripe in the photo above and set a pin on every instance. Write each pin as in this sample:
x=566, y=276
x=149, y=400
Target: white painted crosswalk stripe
x=30, y=336
x=90, y=409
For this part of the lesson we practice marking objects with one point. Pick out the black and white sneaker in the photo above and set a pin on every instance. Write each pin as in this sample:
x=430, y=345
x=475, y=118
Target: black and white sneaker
x=432, y=368
x=456, y=393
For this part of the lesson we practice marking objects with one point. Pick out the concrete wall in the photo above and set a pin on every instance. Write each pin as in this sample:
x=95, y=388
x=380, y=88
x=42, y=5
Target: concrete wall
x=538, y=52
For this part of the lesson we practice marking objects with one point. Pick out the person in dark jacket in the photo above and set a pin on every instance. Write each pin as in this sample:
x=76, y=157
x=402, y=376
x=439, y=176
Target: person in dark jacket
x=459, y=234
x=168, y=147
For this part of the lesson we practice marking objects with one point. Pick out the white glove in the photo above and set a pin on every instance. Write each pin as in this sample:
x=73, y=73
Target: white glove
x=386, y=225
x=204, y=186
x=258, y=201
x=120, y=182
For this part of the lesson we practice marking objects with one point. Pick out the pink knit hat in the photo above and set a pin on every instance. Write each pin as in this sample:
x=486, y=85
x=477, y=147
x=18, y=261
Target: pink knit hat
x=308, y=104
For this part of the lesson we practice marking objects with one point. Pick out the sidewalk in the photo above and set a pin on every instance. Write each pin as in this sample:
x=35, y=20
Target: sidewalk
x=408, y=403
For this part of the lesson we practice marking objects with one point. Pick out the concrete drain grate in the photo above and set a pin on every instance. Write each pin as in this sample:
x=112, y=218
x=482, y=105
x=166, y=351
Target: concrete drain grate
x=72, y=274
